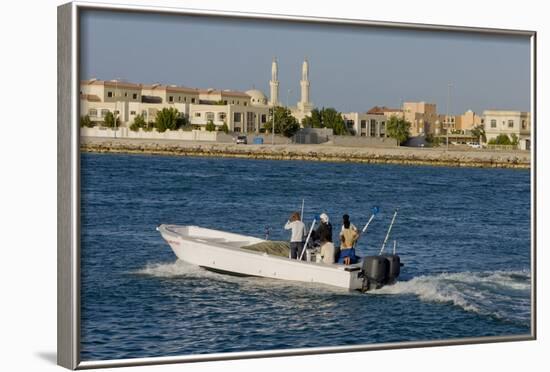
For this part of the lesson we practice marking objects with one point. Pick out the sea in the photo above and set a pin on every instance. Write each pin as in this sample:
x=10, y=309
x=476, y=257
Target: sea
x=463, y=235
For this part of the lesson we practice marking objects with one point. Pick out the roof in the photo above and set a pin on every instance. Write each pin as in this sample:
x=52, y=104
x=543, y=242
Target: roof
x=90, y=97
x=381, y=110
x=111, y=83
x=170, y=88
x=226, y=92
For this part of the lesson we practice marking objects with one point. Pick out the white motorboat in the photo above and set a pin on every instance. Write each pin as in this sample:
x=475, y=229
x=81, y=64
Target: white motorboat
x=223, y=252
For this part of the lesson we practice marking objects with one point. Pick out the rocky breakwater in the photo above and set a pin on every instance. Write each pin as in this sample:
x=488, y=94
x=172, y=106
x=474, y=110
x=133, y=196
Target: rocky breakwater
x=399, y=155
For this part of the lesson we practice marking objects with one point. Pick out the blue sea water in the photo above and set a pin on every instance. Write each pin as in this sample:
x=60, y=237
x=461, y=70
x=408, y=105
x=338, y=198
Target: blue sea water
x=463, y=234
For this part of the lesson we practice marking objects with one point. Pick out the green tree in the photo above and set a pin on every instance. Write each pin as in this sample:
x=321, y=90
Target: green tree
x=285, y=123
x=326, y=118
x=85, y=121
x=210, y=126
x=167, y=119
x=479, y=132
x=313, y=121
x=224, y=128
x=109, y=120
x=502, y=139
x=139, y=122
x=514, y=139
x=398, y=128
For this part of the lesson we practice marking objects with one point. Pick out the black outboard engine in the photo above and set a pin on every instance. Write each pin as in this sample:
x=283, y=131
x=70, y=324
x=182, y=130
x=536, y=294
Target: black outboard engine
x=375, y=271
x=394, y=268
x=380, y=270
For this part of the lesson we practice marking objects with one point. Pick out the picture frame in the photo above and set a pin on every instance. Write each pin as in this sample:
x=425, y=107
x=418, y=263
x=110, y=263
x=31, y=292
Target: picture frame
x=69, y=186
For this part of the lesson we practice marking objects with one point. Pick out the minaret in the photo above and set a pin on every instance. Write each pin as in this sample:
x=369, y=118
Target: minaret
x=304, y=104
x=304, y=83
x=274, y=84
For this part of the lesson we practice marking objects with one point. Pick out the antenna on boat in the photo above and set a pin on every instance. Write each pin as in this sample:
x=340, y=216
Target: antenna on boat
x=388, y=234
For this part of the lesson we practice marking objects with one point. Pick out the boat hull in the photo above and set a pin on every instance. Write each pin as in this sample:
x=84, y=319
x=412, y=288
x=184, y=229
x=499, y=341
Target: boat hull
x=220, y=251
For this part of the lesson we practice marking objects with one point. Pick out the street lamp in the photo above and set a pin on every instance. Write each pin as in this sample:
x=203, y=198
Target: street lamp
x=447, y=116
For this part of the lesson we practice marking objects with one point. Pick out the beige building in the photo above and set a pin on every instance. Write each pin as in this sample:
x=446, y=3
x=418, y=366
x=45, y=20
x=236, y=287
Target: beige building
x=363, y=124
x=422, y=116
x=467, y=121
x=516, y=123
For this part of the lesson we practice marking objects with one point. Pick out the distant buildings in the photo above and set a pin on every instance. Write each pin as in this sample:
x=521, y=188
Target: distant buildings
x=245, y=112
x=248, y=112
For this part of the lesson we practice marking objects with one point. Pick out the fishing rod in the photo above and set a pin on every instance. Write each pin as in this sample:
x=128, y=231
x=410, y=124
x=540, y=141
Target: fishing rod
x=307, y=239
x=388, y=233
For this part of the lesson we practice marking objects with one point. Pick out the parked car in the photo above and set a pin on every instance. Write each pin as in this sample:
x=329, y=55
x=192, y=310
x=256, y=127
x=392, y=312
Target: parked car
x=241, y=139
x=474, y=145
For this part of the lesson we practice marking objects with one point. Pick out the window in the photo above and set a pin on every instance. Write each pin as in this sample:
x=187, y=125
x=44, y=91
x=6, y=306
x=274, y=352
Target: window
x=92, y=112
x=144, y=113
x=104, y=112
x=373, y=128
x=350, y=123
x=493, y=123
x=210, y=116
x=221, y=116
x=250, y=122
x=179, y=98
x=132, y=112
x=363, y=124
x=510, y=123
x=109, y=94
x=197, y=114
x=237, y=117
x=125, y=94
x=225, y=102
x=382, y=129
x=184, y=99
x=264, y=118
x=171, y=99
x=192, y=100
x=116, y=112
x=523, y=124
x=245, y=103
x=134, y=96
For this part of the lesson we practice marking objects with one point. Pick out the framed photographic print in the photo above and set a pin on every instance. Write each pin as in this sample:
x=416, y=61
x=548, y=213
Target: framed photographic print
x=241, y=185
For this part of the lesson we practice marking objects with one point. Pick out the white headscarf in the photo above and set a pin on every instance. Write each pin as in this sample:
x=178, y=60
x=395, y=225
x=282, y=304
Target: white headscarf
x=324, y=217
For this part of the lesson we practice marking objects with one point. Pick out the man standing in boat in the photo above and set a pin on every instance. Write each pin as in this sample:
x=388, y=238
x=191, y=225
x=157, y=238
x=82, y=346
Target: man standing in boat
x=348, y=237
x=324, y=235
x=297, y=236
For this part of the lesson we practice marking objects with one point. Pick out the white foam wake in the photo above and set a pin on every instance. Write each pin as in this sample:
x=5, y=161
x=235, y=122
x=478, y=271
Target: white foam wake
x=501, y=294
x=174, y=269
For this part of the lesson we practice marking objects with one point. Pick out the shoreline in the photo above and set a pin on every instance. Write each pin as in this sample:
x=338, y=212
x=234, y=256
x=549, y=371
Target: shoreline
x=323, y=153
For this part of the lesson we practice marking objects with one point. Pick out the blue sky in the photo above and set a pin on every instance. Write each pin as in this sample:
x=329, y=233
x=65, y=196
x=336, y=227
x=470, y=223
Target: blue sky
x=351, y=68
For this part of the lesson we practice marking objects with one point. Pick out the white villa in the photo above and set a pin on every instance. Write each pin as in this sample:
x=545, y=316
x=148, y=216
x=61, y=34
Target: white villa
x=498, y=122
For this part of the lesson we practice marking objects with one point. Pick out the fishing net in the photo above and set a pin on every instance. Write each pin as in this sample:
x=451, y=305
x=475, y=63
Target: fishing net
x=272, y=247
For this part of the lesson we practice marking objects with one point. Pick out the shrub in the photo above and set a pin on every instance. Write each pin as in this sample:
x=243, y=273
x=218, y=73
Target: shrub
x=85, y=121
x=110, y=120
x=224, y=128
x=166, y=119
x=210, y=126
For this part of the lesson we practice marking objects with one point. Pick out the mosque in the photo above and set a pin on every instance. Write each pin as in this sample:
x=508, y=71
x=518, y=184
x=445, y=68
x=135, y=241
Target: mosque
x=242, y=112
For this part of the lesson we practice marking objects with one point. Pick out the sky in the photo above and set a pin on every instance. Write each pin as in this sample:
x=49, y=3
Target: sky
x=352, y=68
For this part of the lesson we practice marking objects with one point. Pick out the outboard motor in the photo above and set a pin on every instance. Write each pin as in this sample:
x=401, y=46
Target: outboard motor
x=394, y=268
x=375, y=271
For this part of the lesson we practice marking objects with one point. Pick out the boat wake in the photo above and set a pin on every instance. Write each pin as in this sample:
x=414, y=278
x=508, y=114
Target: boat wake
x=174, y=269
x=503, y=295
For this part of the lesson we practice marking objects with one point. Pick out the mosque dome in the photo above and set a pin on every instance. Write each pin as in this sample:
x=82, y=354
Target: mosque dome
x=257, y=97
